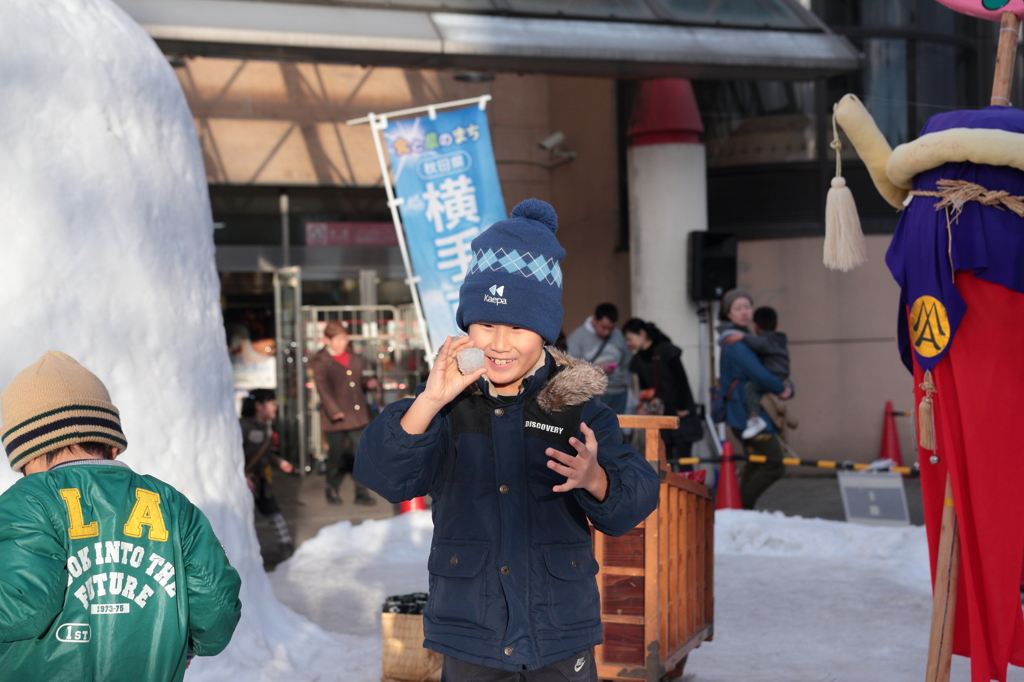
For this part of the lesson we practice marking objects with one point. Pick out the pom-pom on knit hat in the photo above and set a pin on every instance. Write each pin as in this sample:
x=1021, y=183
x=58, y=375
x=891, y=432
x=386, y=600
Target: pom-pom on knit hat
x=515, y=277
x=55, y=403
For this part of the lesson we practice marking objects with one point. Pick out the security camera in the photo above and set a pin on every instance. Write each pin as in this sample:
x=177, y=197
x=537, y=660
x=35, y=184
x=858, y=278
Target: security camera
x=551, y=142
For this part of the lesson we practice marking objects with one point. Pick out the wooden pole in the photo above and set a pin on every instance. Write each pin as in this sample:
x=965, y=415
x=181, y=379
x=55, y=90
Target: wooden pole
x=947, y=570
x=1009, y=27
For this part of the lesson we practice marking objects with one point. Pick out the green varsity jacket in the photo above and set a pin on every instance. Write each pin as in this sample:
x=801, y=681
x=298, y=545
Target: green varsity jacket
x=108, y=576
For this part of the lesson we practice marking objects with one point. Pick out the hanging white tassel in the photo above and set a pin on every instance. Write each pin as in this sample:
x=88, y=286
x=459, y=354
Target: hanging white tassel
x=926, y=414
x=844, y=240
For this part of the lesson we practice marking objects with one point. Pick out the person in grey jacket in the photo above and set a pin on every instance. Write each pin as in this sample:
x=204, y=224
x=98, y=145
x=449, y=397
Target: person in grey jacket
x=599, y=342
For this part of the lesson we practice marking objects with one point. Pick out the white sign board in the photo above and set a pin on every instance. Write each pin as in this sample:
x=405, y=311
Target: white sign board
x=874, y=499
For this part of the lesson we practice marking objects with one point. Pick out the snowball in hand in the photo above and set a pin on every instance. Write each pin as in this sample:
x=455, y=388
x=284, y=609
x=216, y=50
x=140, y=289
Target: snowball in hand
x=470, y=360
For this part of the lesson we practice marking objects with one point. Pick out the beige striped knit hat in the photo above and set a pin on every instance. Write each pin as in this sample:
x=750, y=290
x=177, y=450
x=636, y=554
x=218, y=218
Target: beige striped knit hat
x=55, y=403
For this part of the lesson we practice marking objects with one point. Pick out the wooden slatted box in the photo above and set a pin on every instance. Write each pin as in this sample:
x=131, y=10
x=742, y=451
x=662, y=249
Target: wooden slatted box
x=656, y=582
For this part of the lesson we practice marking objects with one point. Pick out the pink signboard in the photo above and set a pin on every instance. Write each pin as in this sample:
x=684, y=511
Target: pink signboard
x=986, y=9
x=350, y=234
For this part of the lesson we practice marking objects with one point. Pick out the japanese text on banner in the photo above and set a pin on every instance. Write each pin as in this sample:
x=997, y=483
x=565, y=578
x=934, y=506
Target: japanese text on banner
x=445, y=174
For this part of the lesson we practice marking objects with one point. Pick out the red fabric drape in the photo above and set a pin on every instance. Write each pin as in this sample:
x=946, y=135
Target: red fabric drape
x=979, y=409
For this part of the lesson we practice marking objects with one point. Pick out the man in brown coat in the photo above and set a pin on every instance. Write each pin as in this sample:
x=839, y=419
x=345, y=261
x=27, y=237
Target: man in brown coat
x=340, y=383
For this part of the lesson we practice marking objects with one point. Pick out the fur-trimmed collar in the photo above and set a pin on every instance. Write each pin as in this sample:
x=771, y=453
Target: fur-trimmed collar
x=572, y=382
x=576, y=383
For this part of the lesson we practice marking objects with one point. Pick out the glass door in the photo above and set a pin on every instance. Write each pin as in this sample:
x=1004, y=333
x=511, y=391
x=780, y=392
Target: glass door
x=290, y=367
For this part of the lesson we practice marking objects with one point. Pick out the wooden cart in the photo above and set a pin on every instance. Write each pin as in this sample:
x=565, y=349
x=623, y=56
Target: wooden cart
x=656, y=581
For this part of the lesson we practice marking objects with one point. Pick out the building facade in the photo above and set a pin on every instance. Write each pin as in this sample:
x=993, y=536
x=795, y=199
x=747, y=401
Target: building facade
x=270, y=101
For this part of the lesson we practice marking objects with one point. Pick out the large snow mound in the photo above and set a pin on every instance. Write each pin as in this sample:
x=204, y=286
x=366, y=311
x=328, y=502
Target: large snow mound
x=107, y=254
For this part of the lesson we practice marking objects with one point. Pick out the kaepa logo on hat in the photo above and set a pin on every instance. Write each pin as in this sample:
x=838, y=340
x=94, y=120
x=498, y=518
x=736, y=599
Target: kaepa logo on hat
x=515, y=277
x=497, y=295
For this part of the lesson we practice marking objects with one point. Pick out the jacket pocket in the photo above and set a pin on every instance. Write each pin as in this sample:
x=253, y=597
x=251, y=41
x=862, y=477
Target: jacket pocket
x=457, y=586
x=572, y=589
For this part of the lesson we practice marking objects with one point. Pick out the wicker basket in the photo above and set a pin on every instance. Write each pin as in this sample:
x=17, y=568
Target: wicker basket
x=404, y=658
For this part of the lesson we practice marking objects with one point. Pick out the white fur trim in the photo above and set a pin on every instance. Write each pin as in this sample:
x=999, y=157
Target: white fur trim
x=956, y=145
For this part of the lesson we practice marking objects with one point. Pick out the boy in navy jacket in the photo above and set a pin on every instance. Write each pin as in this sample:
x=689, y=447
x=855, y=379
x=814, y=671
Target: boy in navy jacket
x=519, y=457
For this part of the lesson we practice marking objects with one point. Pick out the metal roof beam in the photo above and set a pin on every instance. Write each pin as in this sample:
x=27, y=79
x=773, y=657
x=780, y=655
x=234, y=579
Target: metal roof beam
x=295, y=31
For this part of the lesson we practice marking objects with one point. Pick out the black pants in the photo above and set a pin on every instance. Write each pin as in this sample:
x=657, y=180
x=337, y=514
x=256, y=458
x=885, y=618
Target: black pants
x=675, y=448
x=578, y=668
x=758, y=477
x=341, y=457
x=264, y=497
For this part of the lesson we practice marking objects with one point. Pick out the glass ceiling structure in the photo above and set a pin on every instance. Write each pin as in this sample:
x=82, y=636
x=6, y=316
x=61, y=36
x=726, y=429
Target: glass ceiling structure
x=774, y=39
x=746, y=13
x=751, y=13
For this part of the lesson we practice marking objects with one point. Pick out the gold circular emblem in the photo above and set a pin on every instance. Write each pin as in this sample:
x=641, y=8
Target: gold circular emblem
x=929, y=326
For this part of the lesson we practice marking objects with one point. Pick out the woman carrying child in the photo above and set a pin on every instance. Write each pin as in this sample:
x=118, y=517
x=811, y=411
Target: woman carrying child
x=739, y=365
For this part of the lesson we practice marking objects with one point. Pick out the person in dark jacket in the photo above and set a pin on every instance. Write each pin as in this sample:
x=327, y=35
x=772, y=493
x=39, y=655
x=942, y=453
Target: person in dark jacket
x=343, y=415
x=520, y=458
x=739, y=365
x=659, y=368
x=259, y=409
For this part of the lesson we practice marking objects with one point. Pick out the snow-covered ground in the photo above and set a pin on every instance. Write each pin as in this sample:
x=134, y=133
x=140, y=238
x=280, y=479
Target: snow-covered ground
x=807, y=599
x=796, y=600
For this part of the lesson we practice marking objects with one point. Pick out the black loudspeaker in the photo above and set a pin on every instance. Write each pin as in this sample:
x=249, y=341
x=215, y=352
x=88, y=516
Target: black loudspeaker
x=712, y=265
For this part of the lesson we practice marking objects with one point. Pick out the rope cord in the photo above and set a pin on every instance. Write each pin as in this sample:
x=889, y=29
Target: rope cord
x=836, y=143
x=955, y=193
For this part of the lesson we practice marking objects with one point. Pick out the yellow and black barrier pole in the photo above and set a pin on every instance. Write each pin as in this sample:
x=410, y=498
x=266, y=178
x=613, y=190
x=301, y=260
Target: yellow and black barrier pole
x=797, y=462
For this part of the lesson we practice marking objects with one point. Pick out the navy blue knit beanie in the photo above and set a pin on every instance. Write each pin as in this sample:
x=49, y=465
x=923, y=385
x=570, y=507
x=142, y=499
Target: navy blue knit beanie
x=514, y=277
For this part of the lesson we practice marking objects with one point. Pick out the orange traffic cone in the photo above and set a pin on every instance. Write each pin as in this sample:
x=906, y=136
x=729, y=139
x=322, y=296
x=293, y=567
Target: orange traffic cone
x=415, y=504
x=728, y=495
x=890, y=439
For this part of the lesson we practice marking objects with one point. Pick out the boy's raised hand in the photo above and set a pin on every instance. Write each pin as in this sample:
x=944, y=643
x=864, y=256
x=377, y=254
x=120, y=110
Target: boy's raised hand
x=444, y=383
x=581, y=471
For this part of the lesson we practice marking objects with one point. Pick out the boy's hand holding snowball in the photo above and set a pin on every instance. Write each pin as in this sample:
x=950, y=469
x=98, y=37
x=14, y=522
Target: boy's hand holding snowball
x=444, y=383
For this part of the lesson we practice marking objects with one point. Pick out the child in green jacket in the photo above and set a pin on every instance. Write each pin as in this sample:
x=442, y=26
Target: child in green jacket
x=106, y=575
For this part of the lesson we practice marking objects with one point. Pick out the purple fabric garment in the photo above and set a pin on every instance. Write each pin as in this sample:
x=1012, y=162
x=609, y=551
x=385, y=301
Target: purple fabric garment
x=987, y=240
